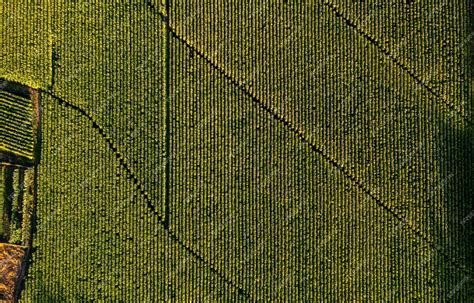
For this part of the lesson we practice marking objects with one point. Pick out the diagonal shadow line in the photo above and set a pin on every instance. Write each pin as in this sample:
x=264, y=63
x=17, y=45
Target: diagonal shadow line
x=139, y=185
x=300, y=134
x=444, y=101
x=209, y=265
x=112, y=146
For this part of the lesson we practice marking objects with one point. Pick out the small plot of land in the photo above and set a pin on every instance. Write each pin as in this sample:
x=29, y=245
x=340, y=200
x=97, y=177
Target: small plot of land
x=15, y=118
x=12, y=259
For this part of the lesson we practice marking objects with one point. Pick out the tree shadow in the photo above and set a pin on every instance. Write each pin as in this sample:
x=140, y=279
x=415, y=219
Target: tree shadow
x=457, y=170
x=14, y=88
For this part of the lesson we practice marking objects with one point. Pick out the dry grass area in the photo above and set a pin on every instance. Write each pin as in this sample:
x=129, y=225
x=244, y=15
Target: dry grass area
x=11, y=266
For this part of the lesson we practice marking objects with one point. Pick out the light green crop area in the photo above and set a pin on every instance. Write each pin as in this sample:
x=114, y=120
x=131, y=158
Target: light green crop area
x=109, y=62
x=26, y=42
x=273, y=151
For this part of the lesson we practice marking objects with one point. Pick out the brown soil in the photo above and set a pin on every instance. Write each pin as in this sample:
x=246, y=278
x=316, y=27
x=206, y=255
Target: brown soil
x=12, y=259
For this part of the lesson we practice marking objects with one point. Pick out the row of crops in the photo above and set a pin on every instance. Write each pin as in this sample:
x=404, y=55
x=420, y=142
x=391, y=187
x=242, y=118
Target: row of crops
x=17, y=184
x=430, y=38
x=114, y=76
x=279, y=219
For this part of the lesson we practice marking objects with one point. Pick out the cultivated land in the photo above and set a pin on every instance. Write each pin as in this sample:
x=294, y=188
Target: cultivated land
x=259, y=151
x=15, y=117
x=11, y=266
x=123, y=252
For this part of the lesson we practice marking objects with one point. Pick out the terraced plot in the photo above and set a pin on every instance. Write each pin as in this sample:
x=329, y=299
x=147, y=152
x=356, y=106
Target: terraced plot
x=16, y=136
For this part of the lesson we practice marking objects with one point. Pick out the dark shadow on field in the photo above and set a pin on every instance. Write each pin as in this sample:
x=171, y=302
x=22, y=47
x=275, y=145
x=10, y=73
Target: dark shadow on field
x=25, y=92
x=7, y=204
x=457, y=169
x=14, y=88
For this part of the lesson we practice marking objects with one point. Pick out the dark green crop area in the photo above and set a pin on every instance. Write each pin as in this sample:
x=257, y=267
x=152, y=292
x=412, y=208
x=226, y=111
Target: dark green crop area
x=246, y=151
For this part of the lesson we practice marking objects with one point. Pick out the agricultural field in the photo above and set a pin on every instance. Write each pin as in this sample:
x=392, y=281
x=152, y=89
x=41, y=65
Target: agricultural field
x=124, y=253
x=257, y=151
x=3, y=193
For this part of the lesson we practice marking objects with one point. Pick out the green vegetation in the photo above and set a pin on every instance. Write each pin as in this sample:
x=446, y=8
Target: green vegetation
x=16, y=193
x=15, y=117
x=360, y=110
x=271, y=151
x=429, y=38
x=121, y=90
x=16, y=204
x=26, y=43
x=106, y=244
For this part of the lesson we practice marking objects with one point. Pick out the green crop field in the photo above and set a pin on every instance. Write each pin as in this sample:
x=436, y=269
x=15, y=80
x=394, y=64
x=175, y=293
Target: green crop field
x=243, y=151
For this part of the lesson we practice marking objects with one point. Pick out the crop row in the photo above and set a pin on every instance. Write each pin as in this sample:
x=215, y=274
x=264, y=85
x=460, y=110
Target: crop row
x=245, y=189
x=2, y=195
x=14, y=101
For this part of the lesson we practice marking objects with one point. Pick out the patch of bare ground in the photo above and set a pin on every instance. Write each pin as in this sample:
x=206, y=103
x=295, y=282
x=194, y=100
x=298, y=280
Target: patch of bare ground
x=12, y=264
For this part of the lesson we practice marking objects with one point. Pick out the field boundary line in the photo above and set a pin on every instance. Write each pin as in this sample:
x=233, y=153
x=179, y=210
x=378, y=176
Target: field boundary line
x=112, y=146
x=300, y=134
x=444, y=101
x=211, y=267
